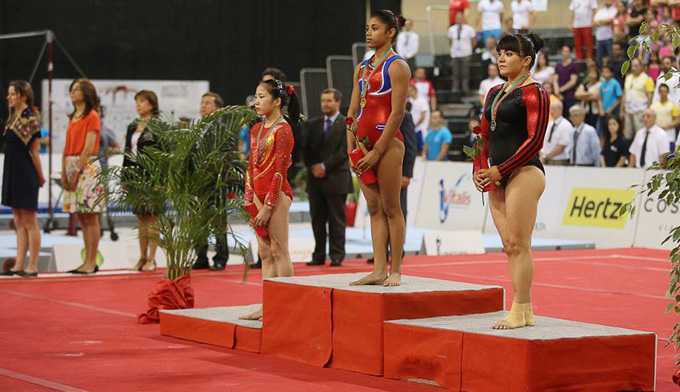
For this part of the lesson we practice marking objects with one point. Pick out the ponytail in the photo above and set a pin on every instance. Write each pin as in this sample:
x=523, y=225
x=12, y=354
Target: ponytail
x=288, y=98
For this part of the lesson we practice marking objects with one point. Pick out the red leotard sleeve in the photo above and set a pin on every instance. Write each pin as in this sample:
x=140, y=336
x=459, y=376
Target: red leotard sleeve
x=283, y=147
x=537, y=104
x=249, y=175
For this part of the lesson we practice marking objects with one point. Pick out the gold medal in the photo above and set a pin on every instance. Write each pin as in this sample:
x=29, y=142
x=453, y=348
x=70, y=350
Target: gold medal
x=363, y=102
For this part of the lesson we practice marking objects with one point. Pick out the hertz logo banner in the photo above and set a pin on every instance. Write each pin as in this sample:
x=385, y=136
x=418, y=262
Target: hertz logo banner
x=595, y=207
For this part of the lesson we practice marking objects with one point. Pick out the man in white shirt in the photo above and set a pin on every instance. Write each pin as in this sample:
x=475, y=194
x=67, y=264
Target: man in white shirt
x=523, y=15
x=558, y=138
x=650, y=143
x=420, y=111
x=407, y=44
x=490, y=18
x=582, y=22
x=462, y=40
x=487, y=84
x=585, y=148
x=673, y=83
x=604, y=32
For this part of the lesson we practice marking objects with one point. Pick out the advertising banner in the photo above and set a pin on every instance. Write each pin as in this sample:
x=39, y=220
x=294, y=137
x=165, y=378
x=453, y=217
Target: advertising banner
x=655, y=219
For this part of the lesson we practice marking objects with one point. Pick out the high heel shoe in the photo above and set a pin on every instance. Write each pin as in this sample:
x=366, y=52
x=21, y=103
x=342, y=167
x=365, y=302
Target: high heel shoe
x=149, y=266
x=77, y=272
x=25, y=274
x=140, y=264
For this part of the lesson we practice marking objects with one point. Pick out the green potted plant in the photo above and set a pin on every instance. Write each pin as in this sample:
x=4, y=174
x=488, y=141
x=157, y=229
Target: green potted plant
x=665, y=185
x=195, y=177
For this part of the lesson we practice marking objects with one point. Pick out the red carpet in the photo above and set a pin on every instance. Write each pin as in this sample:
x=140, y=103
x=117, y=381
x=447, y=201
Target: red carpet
x=80, y=334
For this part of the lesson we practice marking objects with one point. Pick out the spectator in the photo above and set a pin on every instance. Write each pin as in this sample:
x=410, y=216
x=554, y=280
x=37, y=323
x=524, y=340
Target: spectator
x=667, y=48
x=636, y=18
x=615, y=150
x=456, y=6
x=137, y=139
x=582, y=22
x=675, y=12
x=523, y=15
x=588, y=94
x=425, y=87
x=22, y=176
x=553, y=98
x=667, y=113
x=44, y=134
x=567, y=77
x=462, y=40
x=244, y=132
x=609, y=100
x=604, y=31
x=328, y=178
x=407, y=44
x=544, y=71
x=507, y=27
x=407, y=129
x=274, y=73
x=490, y=54
x=673, y=83
x=490, y=18
x=558, y=138
x=83, y=194
x=650, y=143
x=438, y=139
x=654, y=66
x=638, y=90
x=621, y=22
x=617, y=60
x=586, y=148
x=420, y=111
x=486, y=84
x=108, y=145
x=211, y=102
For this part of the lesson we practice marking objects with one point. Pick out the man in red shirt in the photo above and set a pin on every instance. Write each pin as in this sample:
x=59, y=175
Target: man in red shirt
x=456, y=6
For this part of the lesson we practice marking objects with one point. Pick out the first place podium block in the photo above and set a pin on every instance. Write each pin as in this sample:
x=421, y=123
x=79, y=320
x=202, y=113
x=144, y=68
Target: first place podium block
x=464, y=353
x=322, y=320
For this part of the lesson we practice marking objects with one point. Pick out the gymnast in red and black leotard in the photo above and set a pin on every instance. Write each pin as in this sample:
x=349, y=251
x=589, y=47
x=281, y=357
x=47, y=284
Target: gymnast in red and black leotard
x=379, y=103
x=521, y=121
x=516, y=115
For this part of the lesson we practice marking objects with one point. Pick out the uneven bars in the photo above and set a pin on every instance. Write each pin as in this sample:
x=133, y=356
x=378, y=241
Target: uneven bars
x=24, y=35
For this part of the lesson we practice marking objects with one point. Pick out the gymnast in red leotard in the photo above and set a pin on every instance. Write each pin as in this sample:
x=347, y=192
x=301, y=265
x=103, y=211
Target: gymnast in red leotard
x=516, y=115
x=271, y=145
x=379, y=103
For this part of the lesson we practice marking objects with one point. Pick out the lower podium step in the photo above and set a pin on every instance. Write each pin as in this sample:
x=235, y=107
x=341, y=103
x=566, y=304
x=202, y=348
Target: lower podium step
x=322, y=320
x=217, y=326
x=464, y=354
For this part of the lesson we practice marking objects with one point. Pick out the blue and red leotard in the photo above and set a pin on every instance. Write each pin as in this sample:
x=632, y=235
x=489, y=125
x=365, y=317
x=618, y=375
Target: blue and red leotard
x=373, y=117
x=521, y=121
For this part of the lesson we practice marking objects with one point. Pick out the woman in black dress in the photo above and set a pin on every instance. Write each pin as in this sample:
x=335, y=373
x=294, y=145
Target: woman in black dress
x=138, y=138
x=615, y=150
x=23, y=176
x=516, y=114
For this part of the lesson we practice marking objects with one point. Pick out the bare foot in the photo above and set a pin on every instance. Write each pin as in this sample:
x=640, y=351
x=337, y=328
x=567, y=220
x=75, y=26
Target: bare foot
x=505, y=324
x=256, y=315
x=374, y=278
x=393, y=280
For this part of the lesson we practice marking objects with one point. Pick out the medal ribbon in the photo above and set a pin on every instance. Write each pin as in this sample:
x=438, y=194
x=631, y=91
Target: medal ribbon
x=498, y=100
x=260, y=142
x=364, y=81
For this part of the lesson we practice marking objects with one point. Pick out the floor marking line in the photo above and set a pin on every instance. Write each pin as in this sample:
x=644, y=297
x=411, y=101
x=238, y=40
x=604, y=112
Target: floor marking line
x=68, y=303
x=39, y=381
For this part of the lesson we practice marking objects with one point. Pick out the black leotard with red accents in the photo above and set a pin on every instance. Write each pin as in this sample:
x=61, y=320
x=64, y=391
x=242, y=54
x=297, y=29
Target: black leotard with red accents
x=522, y=119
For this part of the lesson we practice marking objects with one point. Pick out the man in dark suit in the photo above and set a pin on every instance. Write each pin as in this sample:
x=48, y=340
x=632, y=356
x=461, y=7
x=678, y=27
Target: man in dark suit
x=328, y=179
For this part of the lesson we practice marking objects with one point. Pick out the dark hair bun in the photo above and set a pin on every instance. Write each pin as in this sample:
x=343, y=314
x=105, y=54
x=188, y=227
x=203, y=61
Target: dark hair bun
x=401, y=21
x=537, y=40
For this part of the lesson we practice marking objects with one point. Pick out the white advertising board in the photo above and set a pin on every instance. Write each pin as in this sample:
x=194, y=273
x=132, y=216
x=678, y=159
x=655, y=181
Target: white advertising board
x=179, y=97
x=440, y=243
x=655, y=219
x=449, y=200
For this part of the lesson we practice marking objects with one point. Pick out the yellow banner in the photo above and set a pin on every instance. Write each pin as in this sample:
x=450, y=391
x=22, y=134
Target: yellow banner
x=596, y=207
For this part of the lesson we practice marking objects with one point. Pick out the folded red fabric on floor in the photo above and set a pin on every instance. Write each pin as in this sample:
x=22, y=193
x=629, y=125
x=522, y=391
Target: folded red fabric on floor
x=168, y=294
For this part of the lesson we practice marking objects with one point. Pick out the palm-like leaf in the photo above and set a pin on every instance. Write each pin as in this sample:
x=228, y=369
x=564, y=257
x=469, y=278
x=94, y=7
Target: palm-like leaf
x=187, y=177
